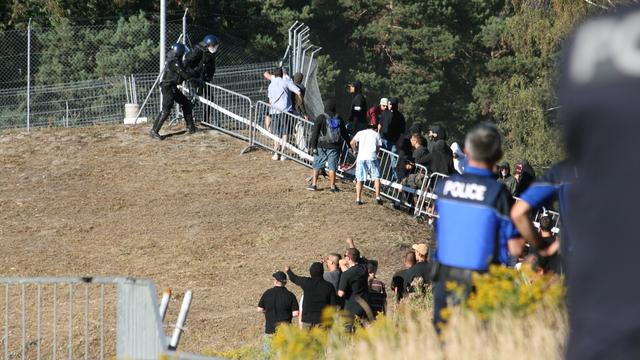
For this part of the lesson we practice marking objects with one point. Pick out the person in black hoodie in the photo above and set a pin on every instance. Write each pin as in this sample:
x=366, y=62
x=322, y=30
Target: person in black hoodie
x=440, y=159
x=358, y=111
x=318, y=294
x=327, y=134
x=525, y=175
x=391, y=126
x=419, y=156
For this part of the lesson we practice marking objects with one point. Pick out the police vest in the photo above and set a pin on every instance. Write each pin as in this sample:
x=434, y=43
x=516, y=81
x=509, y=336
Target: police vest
x=474, y=224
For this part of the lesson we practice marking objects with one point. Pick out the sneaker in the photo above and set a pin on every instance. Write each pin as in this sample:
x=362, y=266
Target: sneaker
x=283, y=158
x=334, y=189
x=397, y=205
x=275, y=156
x=379, y=201
x=359, y=202
x=311, y=187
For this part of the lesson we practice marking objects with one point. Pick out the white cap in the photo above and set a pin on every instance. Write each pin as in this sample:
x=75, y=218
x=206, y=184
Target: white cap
x=384, y=101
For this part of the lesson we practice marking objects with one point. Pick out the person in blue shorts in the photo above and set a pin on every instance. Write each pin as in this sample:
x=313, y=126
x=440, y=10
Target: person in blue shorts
x=366, y=143
x=327, y=134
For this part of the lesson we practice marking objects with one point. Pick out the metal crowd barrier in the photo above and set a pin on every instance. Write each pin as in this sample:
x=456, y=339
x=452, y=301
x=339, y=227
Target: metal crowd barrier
x=289, y=135
x=427, y=198
x=226, y=111
x=283, y=133
x=82, y=318
x=555, y=219
x=90, y=318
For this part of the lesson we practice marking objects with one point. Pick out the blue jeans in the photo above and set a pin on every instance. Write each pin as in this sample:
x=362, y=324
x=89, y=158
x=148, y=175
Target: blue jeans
x=329, y=156
x=364, y=167
x=389, y=145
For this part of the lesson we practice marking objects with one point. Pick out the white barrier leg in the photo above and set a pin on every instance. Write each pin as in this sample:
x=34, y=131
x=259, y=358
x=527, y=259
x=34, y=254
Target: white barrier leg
x=182, y=319
x=164, y=303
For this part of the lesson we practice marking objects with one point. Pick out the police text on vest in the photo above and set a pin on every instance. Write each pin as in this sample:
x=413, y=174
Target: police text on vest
x=462, y=190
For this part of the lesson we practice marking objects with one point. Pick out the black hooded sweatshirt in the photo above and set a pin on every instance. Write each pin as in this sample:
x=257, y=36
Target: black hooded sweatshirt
x=440, y=160
x=320, y=128
x=318, y=293
x=358, y=111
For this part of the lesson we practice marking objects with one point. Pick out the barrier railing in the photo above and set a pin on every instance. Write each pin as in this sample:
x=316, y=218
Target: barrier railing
x=226, y=111
x=90, y=318
x=82, y=318
x=283, y=133
x=555, y=219
x=427, y=197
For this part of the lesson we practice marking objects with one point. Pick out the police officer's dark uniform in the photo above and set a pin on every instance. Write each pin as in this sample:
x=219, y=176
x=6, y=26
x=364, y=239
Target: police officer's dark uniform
x=472, y=231
x=174, y=74
x=201, y=60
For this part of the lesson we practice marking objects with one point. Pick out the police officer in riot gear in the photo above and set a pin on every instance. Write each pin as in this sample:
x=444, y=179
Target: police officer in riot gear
x=174, y=74
x=202, y=59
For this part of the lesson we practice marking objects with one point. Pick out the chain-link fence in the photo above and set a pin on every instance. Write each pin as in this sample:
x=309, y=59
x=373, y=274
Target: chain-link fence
x=81, y=75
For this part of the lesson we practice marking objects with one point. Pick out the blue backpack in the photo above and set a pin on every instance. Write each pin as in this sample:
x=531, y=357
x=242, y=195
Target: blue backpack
x=332, y=131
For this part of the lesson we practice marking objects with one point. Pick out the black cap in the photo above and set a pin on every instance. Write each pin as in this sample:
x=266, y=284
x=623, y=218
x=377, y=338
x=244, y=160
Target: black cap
x=280, y=276
x=394, y=101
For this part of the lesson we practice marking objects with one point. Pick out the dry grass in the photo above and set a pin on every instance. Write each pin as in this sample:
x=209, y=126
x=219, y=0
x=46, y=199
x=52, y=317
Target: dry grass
x=187, y=212
x=537, y=336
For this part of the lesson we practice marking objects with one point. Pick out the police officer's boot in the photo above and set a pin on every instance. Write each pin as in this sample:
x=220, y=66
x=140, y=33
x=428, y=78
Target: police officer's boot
x=155, y=130
x=190, y=125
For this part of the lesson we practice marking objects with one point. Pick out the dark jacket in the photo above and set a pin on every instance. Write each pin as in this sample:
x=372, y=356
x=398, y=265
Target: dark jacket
x=175, y=72
x=527, y=176
x=358, y=111
x=510, y=182
x=318, y=294
x=320, y=128
x=440, y=160
x=201, y=61
x=392, y=125
x=420, y=156
x=298, y=101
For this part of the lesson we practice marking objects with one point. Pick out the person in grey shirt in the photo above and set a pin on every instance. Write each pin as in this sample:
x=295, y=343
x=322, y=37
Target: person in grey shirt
x=279, y=93
x=333, y=272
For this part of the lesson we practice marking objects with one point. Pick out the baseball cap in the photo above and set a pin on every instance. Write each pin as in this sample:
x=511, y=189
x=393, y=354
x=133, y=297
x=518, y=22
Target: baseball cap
x=384, y=101
x=394, y=101
x=420, y=248
x=280, y=276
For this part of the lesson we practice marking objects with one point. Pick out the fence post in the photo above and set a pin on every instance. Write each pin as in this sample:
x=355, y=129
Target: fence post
x=253, y=115
x=29, y=75
x=163, y=45
x=184, y=27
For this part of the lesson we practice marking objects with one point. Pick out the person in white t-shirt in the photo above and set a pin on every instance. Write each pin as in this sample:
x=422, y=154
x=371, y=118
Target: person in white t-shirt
x=366, y=144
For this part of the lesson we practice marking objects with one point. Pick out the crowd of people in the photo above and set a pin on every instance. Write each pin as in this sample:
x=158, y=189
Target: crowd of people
x=480, y=192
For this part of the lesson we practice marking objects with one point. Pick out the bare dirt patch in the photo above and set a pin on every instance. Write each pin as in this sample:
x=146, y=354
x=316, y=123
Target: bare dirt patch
x=188, y=212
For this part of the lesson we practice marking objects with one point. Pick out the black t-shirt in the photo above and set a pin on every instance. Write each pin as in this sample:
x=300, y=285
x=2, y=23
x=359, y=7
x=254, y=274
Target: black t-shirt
x=420, y=269
x=397, y=283
x=551, y=263
x=354, y=284
x=318, y=294
x=358, y=109
x=278, y=304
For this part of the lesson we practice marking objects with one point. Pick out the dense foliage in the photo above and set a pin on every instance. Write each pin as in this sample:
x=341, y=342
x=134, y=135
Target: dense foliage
x=449, y=61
